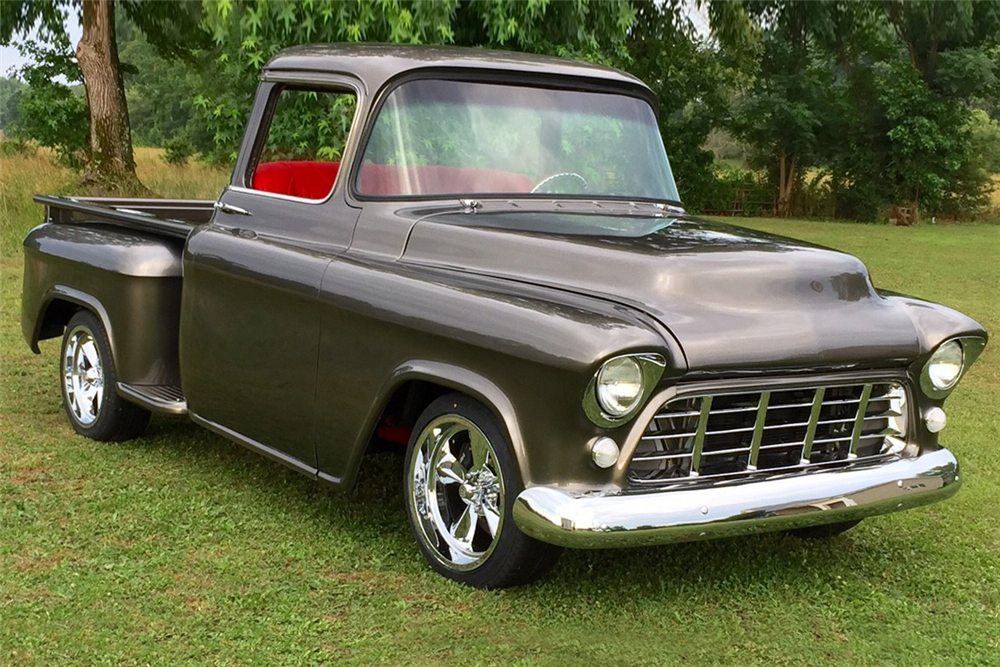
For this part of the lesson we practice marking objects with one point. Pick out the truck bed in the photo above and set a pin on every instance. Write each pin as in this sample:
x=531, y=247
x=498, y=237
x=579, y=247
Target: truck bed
x=170, y=217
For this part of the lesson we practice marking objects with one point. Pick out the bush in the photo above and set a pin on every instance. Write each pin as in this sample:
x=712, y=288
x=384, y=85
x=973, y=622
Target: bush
x=12, y=146
x=177, y=150
x=738, y=191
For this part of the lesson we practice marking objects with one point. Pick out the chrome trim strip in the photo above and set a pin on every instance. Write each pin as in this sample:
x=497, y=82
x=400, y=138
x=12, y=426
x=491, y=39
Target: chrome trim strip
x=743, y=475
x=859, y=420
x=817, y=407
x=699, y=438
x=758, y=430
x=807, y=498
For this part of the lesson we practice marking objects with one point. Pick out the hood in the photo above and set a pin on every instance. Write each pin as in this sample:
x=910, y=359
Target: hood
x=735, y=299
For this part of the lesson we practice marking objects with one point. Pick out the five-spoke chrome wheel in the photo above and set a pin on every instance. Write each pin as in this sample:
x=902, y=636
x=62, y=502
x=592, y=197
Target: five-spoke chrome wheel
x=458, y=494
x=83, y=376
x=89, y=380
x=461, y=479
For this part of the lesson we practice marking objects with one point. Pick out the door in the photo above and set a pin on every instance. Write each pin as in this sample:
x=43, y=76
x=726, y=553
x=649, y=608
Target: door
x=250, y=316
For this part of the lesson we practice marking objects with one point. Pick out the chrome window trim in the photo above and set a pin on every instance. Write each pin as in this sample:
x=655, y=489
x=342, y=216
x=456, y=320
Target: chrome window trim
x=331, y=85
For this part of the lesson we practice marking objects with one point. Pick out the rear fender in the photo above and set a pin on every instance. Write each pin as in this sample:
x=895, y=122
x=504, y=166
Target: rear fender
x=130, y=280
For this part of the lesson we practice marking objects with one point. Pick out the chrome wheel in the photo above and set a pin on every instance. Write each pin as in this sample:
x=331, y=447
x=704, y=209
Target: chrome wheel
x=457, y=492
x=83, y=376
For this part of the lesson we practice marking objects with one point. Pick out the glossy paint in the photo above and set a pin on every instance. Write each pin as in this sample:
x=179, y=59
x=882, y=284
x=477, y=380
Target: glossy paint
x=130, y=279
x=301, y=319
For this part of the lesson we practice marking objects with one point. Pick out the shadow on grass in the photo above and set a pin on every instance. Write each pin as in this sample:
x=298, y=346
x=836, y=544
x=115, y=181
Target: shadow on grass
x=772, y=561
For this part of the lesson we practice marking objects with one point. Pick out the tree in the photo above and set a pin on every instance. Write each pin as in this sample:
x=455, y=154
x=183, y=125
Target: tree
x=780, y=114
x=693, y=86
x=880, y=94
x=11, y=91
x=171, y=26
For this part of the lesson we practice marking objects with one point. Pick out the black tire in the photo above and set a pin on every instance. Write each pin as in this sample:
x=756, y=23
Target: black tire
x=825, y=531
x=107, y=416
x=511, y=557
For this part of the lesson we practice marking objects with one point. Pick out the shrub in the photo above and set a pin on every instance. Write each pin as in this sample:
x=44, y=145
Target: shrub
x=177, y=150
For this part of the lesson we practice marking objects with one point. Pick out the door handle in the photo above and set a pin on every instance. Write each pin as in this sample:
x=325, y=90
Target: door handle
x=230, y=209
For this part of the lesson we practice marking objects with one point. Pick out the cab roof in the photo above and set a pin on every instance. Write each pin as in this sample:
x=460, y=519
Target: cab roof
x=374, y=64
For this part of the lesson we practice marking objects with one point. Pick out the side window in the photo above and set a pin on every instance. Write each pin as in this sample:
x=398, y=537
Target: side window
x=304, y=143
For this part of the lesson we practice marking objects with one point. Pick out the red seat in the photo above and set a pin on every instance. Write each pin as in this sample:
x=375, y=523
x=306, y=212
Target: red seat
x=301, y=178
x=314, y=180
x=383, y=179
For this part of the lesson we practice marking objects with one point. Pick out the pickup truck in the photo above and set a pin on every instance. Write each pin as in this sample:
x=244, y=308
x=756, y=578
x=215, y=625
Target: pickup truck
x=482, y=257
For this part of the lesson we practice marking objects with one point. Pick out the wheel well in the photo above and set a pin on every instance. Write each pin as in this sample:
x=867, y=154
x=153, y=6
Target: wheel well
x=57, y=316
x=403, y=409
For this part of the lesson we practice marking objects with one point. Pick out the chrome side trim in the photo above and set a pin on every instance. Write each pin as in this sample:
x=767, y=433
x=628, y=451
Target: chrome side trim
x=805, y=498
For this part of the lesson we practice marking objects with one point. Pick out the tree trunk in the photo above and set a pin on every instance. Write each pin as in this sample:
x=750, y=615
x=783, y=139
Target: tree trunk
x=786, y=179
x=110, y=166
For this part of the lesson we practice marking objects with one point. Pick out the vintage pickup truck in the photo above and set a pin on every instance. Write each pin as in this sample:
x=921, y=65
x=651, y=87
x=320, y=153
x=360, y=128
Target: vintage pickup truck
x=494, y=271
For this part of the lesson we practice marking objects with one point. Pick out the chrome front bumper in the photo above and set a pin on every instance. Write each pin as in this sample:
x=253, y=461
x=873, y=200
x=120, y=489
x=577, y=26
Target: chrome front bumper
x=737, y=507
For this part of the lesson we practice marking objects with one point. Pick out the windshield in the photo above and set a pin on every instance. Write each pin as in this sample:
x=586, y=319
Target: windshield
x=436, y=137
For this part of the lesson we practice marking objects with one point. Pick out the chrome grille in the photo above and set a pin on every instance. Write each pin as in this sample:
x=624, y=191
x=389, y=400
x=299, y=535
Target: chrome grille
x=743, y=432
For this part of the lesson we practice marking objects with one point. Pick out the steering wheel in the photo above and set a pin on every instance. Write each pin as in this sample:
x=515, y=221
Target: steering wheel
x=562, y=174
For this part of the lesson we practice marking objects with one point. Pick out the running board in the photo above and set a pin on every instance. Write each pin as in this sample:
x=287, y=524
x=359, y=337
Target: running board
x=156, y=397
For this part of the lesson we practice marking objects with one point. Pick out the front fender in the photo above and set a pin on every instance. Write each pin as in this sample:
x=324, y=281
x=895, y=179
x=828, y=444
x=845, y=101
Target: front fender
x=526, y=352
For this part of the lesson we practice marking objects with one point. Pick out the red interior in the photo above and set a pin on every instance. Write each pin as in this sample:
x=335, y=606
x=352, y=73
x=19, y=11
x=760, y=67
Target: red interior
x=314, y=180
x=302, y=178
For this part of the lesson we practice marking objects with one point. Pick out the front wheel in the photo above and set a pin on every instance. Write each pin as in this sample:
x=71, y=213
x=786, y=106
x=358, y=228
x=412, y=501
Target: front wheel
x=461, y=481
x=92, y=404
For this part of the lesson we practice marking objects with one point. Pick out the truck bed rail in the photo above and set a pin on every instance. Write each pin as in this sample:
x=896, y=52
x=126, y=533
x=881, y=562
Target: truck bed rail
x=170, y=217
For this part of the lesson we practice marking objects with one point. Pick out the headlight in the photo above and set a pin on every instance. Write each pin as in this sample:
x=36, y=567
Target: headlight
x=619, y=386
x=945, y=366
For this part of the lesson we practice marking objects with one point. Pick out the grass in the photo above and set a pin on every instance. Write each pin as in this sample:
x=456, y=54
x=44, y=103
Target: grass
x=183, y=549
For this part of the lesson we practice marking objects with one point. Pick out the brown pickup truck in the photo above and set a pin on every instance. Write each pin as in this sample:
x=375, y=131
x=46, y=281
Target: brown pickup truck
x=494, y=271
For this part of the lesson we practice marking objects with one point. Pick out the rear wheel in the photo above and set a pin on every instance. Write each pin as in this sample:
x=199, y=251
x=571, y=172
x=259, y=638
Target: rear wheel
x=461, y=481
x=92, y=404
x=824, y=531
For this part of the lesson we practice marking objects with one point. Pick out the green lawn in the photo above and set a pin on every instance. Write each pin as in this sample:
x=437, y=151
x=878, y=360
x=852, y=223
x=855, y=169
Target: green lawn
x=184, y=549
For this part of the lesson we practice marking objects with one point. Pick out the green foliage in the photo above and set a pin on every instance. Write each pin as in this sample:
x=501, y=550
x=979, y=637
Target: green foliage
x=248, y=34
x=880, y=95
x=161, y=92
x=693, y=86
x=10, y=101
x=307, y=125
x=177, y=150
x=13, y=146
x=984, y=136
x=51, y=113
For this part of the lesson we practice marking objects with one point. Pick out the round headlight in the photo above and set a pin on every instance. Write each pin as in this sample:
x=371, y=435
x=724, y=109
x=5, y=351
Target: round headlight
x=619, y=386
x=945, y=365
